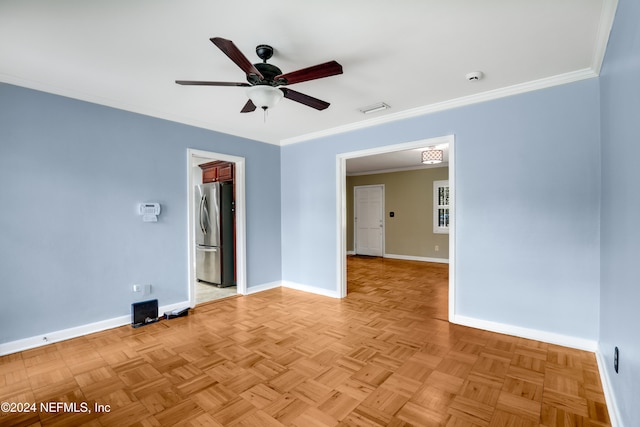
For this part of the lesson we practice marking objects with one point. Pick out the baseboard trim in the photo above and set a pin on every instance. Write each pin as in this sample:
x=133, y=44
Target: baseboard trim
x=292, y=285
x=533, y=334
x=310, y=289
x=77, y=331
x=609, y=396
x=263, y=287
x=417, y=258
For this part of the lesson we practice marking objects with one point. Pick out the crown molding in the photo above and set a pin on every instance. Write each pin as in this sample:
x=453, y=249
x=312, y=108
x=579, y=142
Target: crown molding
x=517, y=89
x=607, y=16
x=574, y=76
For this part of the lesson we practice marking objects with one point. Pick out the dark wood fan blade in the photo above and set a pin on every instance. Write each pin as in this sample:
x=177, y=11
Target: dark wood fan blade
x=248, y=107
x=232, y=51
x=319, y=71
x=201, y=83
x=304, y=99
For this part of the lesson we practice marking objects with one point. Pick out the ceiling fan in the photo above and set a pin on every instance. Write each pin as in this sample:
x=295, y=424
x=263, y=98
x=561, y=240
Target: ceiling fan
x=265, y=80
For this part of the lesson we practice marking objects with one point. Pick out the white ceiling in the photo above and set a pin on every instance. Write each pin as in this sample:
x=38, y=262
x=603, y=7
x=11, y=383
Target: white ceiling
x=395, y=161
x=411, y=54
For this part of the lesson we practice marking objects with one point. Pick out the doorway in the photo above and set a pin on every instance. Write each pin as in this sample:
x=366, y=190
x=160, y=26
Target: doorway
x=341, y=203
x=368, y=220
x=198, y=292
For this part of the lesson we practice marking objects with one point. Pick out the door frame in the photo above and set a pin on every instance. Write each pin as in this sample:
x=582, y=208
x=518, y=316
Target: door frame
x=341, y=208
x=355, y=230
x=240, y=206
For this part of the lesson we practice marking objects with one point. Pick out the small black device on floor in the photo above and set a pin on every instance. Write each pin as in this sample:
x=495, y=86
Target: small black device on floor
x=181, y=312
x=144, y=312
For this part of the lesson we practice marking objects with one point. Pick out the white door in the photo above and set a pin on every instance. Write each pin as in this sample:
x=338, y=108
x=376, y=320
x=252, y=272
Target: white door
x=369, y=219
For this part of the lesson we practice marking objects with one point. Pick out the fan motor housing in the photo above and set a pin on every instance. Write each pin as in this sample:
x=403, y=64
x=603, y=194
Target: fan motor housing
x=269, y=72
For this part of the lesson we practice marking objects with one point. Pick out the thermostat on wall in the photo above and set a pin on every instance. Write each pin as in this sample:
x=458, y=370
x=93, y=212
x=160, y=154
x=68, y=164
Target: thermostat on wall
x=149, y=211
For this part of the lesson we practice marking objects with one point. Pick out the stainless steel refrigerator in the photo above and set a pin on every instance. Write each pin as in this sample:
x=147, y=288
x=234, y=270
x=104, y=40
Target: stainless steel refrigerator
x=214, y=234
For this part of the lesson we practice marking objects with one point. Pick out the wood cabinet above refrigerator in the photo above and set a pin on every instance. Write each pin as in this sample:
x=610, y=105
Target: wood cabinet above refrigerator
x=217, y=171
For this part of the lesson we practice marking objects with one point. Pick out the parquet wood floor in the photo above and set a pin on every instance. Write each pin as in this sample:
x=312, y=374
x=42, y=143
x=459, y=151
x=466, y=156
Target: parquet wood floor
x=383, y=356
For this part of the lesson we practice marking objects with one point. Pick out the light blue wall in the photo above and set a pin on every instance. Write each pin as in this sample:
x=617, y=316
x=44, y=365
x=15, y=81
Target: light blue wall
x=71, y=242
x=527, y=182
x=620, y=226
x=530, y=239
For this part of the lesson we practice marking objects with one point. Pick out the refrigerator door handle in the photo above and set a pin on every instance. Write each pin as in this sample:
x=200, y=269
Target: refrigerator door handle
x=202, y=199
x=207, y=249
x=205, y=218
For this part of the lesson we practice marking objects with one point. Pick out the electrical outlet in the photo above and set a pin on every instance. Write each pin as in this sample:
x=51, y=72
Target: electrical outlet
x=146, y=290
x=137, y=288
x=616, y=359
x=437, y=248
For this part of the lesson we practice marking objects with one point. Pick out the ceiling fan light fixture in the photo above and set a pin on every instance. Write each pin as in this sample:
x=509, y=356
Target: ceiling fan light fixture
x=264, y=96
x=432, y=157
x=380, y=106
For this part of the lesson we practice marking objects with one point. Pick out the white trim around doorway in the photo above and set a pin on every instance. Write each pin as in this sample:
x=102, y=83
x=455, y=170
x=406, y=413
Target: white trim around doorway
x=341, y=208
x=241, y=239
